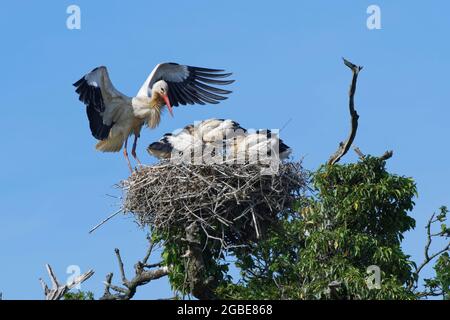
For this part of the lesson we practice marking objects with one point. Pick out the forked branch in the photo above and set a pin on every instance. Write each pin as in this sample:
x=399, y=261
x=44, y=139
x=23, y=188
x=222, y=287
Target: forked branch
x=385, y=156
x=143, y=275
x=58, y=290
x=428, y=255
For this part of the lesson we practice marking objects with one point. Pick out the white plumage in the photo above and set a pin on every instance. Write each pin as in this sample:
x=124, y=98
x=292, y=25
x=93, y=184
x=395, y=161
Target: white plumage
x=113, y=116
x=224, y=137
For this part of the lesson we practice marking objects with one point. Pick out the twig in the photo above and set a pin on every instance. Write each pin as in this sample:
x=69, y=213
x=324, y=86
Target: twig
x=345, y=146
x=359, y=153
x=106, y=220
x=120, y=262
x=428, y=257
x=142, y=277
x=149, y=251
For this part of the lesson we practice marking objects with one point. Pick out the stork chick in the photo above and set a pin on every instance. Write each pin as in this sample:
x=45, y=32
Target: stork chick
x=214, y=133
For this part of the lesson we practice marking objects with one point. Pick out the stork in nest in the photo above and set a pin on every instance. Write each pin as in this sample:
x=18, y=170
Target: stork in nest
x=219, y=136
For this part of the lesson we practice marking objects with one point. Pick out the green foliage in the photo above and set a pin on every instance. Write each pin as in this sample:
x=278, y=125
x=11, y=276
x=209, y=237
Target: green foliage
x=355, y=218
x=173, y=255
x=440, y=284
x=442, y=219
x=367, y=198
x=79, y=295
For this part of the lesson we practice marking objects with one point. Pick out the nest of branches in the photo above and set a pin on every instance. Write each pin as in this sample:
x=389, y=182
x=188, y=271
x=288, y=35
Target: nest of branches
x=231, y=203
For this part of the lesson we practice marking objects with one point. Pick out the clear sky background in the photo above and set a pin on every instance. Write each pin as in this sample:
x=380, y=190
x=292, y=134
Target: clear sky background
x=285, y=56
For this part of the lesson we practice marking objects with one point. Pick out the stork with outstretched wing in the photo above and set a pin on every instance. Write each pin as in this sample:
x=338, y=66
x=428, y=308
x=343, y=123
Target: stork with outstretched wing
x=113, y=116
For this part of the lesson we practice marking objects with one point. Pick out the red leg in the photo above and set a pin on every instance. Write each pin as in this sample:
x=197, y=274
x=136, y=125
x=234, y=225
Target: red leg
x=133, y=150
x=125, y=154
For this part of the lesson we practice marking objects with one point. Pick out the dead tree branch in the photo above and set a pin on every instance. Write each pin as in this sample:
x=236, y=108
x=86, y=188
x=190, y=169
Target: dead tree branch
x=359, y=153
x=142, y=277
x=58, y=290
x=106, y=220
x=345, y=146
x=385, y=156
x=428, y=256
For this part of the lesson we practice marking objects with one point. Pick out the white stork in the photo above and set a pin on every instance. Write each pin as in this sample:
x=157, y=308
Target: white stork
x=194, y=137
x=241, y=143
x=113, y=116
x=253, y=145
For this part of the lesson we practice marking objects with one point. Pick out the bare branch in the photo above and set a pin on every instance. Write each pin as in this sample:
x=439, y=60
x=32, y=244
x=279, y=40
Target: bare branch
x=345, y=146
x=58, y=291
x=142, y=277
x=120, y=262
x=105, y=220
x=385, y=156
x=149, y=250
x=429, y=240
x=107, y=283
x=428, y=256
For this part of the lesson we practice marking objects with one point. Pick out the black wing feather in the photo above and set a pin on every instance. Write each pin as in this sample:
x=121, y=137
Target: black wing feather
x=209, y=94
x=173, y=98
x=99, y=130
x=195, y=89
x=200, y=96
x=213, y=81
x=194, y=96
x=178, y=94
x=91, y=96
x=212, y=89
x=206, y=69
x=212, y=75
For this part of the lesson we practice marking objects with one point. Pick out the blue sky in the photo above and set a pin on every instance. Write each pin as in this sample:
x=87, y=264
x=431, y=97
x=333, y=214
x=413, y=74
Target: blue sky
x=285, y=56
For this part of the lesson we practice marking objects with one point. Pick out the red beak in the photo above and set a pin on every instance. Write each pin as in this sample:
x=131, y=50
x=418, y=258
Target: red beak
x=169, y=106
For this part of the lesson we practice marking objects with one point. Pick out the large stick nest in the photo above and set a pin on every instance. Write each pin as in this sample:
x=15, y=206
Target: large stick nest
x=233, y=203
